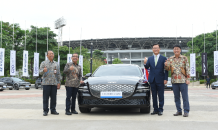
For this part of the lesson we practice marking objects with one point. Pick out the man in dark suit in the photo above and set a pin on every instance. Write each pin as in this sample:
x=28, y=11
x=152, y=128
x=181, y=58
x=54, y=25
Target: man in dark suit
x=158, y=76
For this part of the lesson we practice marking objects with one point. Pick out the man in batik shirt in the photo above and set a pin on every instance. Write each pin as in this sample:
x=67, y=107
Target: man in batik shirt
x=73, y=80
x=50, y=72
x=180, y=78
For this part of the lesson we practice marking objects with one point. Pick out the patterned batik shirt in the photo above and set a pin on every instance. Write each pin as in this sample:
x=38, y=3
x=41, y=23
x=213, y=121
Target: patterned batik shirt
x=180, y=71
x=49, y=77
x=73, y=77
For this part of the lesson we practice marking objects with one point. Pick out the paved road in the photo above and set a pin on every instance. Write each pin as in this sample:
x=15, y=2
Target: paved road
x=22, y=110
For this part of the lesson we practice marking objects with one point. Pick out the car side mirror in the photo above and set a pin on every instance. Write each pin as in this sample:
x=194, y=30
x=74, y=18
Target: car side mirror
x=89, y=75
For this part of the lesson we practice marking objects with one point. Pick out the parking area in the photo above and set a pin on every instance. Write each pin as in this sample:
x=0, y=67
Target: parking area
x=22, y=109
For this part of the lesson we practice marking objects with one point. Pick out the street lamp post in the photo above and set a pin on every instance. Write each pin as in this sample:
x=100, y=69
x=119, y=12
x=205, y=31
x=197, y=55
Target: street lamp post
x=91, y=57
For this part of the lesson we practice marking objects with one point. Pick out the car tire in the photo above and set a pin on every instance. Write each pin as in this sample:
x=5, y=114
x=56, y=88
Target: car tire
x=213, y=88
x=10, y=88
x=27, y=88
x=84, y=110
x=16, y=87
x=145, y=110
x=1, y=90
x=36, y=86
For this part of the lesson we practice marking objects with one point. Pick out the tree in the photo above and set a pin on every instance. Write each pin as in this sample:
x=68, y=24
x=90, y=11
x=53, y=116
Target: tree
x=198, y=48
x=41, y=44
x=117, y=61
x=98, y=55
x=7, y=43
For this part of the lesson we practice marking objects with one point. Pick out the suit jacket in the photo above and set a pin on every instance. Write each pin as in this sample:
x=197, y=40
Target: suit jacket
x=157, y=72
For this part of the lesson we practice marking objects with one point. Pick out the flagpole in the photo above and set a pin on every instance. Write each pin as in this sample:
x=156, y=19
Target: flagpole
x=47, y=37
x=13, y=36
x=176, y=34
x=25, y=35
x=1, y=32
x=69, y=40
x=36, y=37
x=80, y=40
x=204, y=38
x=216, y=35
x=192, y=38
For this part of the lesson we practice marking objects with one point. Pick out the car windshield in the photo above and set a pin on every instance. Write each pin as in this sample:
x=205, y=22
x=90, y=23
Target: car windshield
x=17, y=80
x=118, y=71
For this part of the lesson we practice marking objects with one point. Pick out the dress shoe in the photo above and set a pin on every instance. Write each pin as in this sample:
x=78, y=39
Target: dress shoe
x=160, y=113
x=185, y=115
x=177, y=113
x=45, y=113
x=68, y=113
x=154, y=112
x=74, y=112
x=55, y=113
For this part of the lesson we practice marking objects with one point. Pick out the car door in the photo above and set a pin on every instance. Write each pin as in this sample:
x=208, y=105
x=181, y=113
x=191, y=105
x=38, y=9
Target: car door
x=9, y=81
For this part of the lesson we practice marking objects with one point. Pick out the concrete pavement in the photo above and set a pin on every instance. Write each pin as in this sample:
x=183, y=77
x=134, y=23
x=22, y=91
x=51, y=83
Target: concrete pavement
x=22, y=109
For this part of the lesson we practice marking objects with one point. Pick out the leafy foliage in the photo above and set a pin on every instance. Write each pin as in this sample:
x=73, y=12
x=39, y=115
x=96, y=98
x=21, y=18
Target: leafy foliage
x=198, y=48
x=117, y=61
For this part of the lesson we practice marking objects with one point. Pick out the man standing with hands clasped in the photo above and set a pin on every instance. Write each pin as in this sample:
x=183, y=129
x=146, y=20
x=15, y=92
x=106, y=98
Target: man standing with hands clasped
x=50, y=72
x=180, y=78
x=157, y=78
x=73, y=80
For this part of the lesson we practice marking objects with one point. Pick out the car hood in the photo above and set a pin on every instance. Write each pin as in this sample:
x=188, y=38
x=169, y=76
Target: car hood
x=22, y=82
x=113, y=80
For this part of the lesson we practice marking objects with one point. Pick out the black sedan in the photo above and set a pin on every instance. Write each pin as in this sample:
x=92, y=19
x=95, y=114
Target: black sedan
x=214, y=85
x=38, y=83
x=15, y=83
x=117, y=85
x=2, y=86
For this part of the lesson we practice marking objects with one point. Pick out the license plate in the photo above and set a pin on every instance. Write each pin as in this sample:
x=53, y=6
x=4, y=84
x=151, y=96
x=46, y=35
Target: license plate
x=215, y=85
x=169, y=86
x=4, y=86
x=111, y=94
x=27, y=86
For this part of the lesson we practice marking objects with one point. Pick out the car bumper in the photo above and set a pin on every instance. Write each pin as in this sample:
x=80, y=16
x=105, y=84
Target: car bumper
x=25, y=86
x=169, y=86
x=137, y=100
x=214, y=86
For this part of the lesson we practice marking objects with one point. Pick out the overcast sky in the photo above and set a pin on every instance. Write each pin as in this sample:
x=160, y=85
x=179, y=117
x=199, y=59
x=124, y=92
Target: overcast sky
x=115, y=18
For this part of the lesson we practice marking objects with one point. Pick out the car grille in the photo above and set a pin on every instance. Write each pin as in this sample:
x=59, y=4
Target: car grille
x=127, y=90
x=117, y=102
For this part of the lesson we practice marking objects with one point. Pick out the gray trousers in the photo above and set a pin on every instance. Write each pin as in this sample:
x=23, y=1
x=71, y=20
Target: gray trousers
x=183, y=88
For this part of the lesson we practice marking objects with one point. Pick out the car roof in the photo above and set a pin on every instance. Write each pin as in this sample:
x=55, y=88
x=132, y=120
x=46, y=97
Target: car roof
x=120, y=65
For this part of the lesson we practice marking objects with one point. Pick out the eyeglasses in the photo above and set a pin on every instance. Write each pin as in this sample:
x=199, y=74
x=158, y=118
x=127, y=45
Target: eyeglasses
x=155, y=48
x=177, y=49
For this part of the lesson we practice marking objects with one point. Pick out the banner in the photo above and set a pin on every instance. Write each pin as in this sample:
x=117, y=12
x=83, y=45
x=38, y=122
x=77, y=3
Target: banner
x=59, y=61
x=12, y=62
x=69, y=58
x=36, y=65
x=215, y=62
x=192, y=65
x=81, y=63
x=46, y=58
x=2, y=61
x=25, y=63
x=204, y=64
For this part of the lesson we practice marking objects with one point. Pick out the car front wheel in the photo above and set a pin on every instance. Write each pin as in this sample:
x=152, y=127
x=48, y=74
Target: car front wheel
x=145, y=110
x=16, y=87
x=84, y=110
x=36, y=86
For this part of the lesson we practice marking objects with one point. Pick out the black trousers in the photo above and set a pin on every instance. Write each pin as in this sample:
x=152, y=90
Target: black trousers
x=71, y=98
x=208, y=84
x=49, y=91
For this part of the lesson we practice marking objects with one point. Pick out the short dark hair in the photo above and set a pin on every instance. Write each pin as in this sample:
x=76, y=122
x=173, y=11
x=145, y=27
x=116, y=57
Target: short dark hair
x=75, y=53
x=155, y=44
x=48, y=51
x=177, y=46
